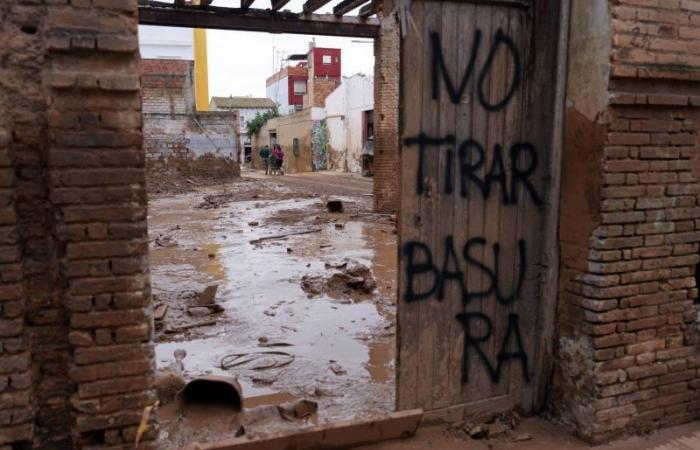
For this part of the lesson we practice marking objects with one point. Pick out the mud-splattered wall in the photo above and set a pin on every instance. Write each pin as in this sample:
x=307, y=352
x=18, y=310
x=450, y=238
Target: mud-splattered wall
x=178, y=138
x=628, y=358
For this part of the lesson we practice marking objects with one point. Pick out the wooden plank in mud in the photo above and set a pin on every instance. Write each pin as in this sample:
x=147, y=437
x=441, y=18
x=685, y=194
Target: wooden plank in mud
x=398, y=425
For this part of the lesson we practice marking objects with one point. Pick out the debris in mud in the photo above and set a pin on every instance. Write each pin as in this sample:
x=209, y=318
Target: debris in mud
x=198, y=311
x=500, y=426
x=263, y=341
x=284, y=236
x=263, y=380
x=208, y=295
x=480, y=431
x=334, y=206
x=339, y=226
x=254, y=223
x=349, y=281
x=165, y=241
x=159, y=312
x=180, y=329
x=169, y=381
x=300, y=409
x=337, y=369
x=212, y=390
x=257, y=360
x=213, y=201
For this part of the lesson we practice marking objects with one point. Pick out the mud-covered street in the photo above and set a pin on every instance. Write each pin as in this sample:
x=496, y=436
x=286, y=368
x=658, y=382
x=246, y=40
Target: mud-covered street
x=304, y=306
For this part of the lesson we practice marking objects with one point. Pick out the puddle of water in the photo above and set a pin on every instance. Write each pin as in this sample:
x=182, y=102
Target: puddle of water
x=259, y=287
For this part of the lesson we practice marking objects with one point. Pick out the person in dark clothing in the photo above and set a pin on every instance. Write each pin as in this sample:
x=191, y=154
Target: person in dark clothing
x=265, y=156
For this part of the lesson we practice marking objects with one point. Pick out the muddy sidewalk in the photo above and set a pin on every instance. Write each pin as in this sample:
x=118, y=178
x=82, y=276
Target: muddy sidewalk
x=304, y=301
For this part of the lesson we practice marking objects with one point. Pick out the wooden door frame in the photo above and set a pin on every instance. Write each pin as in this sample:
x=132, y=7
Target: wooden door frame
x=557, y=28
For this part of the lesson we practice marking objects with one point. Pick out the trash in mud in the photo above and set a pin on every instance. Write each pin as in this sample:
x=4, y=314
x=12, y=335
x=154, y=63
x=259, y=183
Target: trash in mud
x=257, y=360
x=334, y=206
x=339, y=226
x=349, y=281
x=254, y=223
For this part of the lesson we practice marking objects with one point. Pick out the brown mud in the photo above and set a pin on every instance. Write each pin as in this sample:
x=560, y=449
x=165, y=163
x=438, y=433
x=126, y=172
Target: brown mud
x=335, y=347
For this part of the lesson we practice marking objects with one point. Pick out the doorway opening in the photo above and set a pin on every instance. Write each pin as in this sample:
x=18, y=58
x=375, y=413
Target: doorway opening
x=283, y=278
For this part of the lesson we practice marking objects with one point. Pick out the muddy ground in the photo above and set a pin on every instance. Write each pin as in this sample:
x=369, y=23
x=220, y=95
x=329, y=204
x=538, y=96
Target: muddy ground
x=304, y=305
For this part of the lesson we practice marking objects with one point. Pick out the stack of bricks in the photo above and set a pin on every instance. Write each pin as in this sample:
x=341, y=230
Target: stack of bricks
x=386, y=113
x=73, y=215
x=628, y=358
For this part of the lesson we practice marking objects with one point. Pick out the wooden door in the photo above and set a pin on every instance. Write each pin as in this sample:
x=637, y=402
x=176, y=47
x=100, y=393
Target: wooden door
x=477, y=287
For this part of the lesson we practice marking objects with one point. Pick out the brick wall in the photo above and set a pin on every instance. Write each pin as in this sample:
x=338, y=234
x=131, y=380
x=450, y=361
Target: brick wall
x=167, y=86
x=386, y=114
x=21, y=123
x=176, y=137
x=628, y=333
x=202, y=143
x=74, y=290
x=319, y=89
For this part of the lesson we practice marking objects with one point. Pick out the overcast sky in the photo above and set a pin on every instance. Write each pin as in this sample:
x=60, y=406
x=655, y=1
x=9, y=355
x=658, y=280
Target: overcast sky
x=241, y=61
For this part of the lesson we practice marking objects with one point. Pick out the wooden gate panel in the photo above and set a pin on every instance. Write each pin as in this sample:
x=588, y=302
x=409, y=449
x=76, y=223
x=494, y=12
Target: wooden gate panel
x=472, y=189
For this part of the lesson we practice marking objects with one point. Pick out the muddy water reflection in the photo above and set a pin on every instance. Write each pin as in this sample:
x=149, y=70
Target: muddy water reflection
x=259, y=286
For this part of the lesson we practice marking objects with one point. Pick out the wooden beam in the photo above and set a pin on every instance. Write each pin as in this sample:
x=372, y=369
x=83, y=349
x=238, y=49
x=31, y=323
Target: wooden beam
x=312, y=5
x=245, y=4
x=216, y=17
x=370, y=9
x=397, y=425
x=278, y=4
x=346, y=6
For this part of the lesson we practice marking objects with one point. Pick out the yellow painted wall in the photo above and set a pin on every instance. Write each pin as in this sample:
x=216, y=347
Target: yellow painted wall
x=201, y=70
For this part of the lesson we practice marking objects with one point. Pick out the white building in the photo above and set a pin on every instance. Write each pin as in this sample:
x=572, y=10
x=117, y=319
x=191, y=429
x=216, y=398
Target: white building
x=350, y=122
x=248, y=108
x=287, y=88
x=157, y=42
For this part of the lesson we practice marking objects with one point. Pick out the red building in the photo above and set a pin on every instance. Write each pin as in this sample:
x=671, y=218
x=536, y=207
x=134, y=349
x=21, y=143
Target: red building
x=307, y=84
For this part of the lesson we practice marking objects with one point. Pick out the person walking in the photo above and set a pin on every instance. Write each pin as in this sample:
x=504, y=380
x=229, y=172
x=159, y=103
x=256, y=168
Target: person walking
x=278, y=155
x=265, y=157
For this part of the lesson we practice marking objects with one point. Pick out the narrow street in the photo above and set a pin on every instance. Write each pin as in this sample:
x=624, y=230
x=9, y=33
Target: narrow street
x=307, y=296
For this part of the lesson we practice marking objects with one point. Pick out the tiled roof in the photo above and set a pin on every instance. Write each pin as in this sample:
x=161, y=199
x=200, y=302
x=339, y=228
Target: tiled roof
x=242, y=102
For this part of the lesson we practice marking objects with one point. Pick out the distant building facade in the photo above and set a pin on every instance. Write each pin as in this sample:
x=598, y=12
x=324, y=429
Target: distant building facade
x=350, y=122
x=308, y=83
x=248, y=108
x=179, y=44
x=287, y=88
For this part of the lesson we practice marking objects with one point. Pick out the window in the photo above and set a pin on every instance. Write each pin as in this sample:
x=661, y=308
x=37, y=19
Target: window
x=299, y=87
x=295, y=146
x=327, y=60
